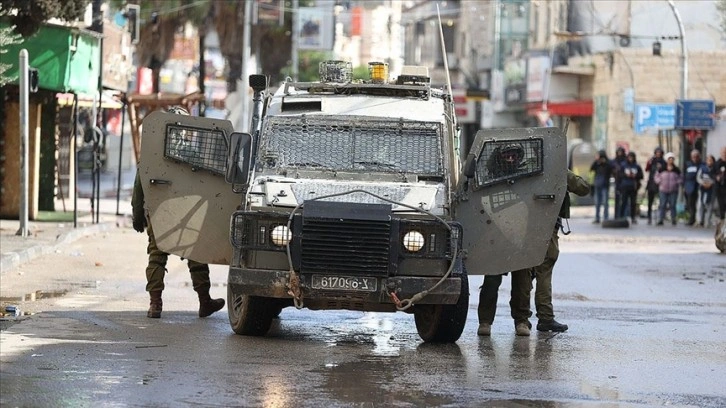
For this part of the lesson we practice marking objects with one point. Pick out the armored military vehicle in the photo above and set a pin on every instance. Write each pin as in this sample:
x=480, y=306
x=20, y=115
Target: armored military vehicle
x=351, y=195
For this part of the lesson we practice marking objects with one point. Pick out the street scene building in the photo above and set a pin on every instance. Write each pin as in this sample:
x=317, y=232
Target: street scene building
x=613, y=70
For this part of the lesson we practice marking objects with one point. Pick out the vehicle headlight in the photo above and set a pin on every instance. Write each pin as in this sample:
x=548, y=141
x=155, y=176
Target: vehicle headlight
x=281, y=235
x=413, y=241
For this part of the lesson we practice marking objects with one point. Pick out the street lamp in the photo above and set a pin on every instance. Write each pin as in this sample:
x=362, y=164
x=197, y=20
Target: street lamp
x=684, y=53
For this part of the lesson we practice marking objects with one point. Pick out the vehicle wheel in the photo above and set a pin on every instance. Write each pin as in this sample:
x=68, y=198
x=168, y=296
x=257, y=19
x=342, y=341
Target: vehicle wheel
x=443, y=323
x=250, y=315
x=616, y=223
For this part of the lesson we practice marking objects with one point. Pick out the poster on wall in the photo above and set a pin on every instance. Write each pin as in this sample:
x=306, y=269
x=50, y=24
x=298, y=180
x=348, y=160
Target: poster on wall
x=315, y=28
x=537, y=69
x=600, y=125
x=497, y=92
x=269, y=12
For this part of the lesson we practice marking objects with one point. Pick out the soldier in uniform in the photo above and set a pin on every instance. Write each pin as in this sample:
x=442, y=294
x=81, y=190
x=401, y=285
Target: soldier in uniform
x=543, y=272
x=522, y=281
x=518, y=303
x=157, y=260
x=506, y=161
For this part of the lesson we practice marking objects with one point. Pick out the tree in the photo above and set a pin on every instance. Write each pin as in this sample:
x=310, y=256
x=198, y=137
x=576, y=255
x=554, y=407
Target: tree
x=272, y=43
x=229, y=22
x=160, y=21
x=7, y=37
x=28, y=15
x=721, y=7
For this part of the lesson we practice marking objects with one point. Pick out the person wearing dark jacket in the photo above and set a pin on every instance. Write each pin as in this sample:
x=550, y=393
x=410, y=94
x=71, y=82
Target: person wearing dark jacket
x=690, y=184
x=603, y=170
x=655, y=164
x=720, y=177
x=617, y=163
x=630, y=175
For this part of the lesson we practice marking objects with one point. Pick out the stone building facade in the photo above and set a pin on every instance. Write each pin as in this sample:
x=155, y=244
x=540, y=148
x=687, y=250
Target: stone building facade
x=654, y=80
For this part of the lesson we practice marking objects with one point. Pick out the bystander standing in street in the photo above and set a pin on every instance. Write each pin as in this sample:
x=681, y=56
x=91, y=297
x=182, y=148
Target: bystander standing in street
x=655, y=165
x=705, y=178
x=720, y=171
x=669, y=180
x=630, y=176
x=617, y=164
x=603, y=170
x=690, y=185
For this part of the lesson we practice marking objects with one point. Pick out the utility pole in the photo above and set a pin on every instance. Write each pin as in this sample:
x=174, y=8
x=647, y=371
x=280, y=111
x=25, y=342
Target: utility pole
x=24, y=142
x=97, y=26
x=295, y=31
x=684, y=51
x=246, y=55
x=684, y=74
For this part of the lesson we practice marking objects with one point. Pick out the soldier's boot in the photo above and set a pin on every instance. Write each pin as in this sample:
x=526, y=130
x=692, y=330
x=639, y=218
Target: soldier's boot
x=207, y=305
x=522, y=329
x=485, y=329
x=155, y=304
x=551, y=325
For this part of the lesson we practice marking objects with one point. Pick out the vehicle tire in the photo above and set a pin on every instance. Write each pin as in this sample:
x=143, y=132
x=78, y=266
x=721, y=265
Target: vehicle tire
x=616, y=223
x=250, y=315
x=443, y=323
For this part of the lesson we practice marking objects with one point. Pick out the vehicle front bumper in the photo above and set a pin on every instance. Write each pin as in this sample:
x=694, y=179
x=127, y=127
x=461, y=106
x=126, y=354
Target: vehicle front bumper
x=275, y=284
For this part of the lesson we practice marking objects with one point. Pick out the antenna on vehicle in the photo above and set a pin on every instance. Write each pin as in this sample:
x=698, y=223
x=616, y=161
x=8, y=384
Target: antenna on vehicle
x=443, y=51
x=454, y=123
x=446, y=60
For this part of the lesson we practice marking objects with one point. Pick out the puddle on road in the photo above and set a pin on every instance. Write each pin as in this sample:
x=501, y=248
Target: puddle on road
x=372, y=383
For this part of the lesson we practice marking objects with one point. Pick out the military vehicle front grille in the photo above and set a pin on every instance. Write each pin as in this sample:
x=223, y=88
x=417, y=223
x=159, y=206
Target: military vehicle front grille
x=357, y=247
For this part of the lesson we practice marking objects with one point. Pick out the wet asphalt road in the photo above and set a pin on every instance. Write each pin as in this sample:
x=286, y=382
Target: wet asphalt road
x=645, y=306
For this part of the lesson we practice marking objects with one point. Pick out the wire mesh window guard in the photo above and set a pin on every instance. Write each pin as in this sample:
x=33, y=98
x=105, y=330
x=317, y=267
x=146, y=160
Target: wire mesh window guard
x=200, y=148
x=508, y=160
x=354, y=145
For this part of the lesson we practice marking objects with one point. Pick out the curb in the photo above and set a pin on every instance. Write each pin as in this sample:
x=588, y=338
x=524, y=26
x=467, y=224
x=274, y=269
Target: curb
x=14, y=259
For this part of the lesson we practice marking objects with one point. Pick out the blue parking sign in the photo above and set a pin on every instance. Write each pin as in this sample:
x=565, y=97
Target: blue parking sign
x=649, y=118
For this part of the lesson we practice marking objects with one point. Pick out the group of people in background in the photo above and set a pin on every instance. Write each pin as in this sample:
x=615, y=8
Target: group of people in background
x=703, y=184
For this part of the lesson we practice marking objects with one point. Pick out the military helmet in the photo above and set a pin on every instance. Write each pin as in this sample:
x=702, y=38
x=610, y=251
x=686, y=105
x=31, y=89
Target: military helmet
x=178, y=110
x=512, y=151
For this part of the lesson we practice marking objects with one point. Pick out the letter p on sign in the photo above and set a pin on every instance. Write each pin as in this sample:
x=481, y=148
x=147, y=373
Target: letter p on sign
x=644, y=113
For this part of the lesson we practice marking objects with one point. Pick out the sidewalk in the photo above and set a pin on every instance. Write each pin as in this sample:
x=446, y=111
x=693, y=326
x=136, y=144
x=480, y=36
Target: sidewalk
x=56, y=228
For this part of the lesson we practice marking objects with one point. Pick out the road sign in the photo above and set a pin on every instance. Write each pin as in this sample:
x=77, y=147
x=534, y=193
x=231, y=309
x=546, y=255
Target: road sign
x=695, y=114
x=650, y=118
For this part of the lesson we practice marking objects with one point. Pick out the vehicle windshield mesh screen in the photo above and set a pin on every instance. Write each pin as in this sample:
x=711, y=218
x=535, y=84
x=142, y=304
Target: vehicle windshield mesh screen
x=508, y=160
x=354, y=145
x=201, y=148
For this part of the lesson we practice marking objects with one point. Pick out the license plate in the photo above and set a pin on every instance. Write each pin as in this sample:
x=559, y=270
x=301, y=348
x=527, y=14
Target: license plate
x=356, y=283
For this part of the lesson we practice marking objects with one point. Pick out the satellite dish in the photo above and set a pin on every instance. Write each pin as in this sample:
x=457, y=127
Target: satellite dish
x=624, y=41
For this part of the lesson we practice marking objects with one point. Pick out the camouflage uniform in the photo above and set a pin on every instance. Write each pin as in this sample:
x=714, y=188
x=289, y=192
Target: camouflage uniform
x=157, y=263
